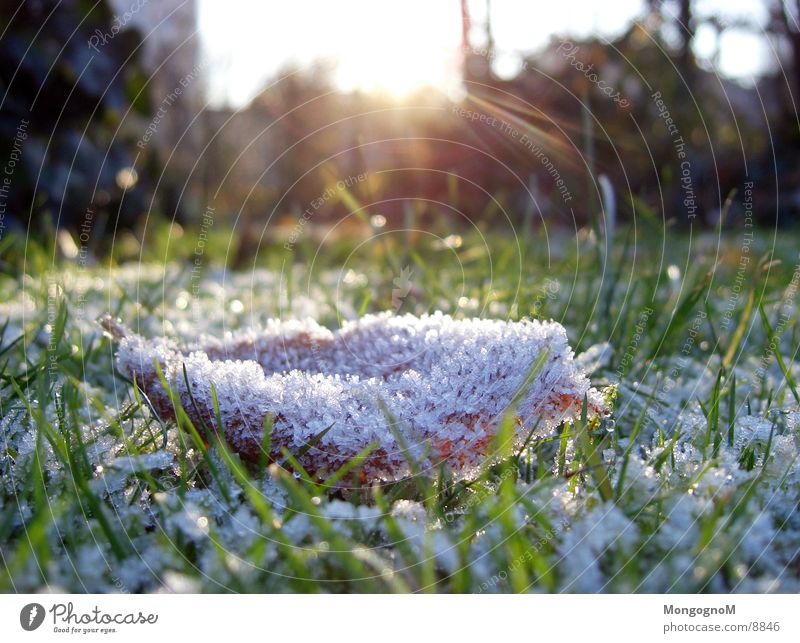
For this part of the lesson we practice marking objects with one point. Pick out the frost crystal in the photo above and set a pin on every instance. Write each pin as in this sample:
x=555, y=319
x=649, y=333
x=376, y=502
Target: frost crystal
x=431, y=389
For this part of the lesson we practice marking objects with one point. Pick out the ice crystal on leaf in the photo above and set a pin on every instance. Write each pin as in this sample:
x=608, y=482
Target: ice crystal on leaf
x=428, y=389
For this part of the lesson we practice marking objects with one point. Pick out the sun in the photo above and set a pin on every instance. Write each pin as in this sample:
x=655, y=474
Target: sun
x=383, y=73
x=399, y=51
x=393, y=68
x=394, y=48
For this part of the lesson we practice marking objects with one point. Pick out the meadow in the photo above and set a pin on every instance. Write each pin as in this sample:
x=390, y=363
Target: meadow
x=691, y=485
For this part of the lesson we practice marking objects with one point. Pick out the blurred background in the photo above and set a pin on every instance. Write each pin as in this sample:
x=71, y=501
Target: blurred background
x=311, y=119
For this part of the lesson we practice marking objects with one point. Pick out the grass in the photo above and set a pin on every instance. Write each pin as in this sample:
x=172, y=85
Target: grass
x=692, y=485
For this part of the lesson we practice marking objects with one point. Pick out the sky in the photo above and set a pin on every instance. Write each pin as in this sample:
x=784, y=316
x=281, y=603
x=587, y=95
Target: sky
x=399, y=46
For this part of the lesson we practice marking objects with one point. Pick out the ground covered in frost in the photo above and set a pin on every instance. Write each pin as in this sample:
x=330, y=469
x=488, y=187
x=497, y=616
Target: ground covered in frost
x=692, y=485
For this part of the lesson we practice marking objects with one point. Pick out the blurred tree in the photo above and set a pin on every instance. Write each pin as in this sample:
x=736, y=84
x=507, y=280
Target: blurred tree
x=784, y=16
x=683, y=26
x=70, y=72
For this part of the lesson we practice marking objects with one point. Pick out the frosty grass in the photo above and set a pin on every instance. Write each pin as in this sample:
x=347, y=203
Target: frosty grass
x=99, y=496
